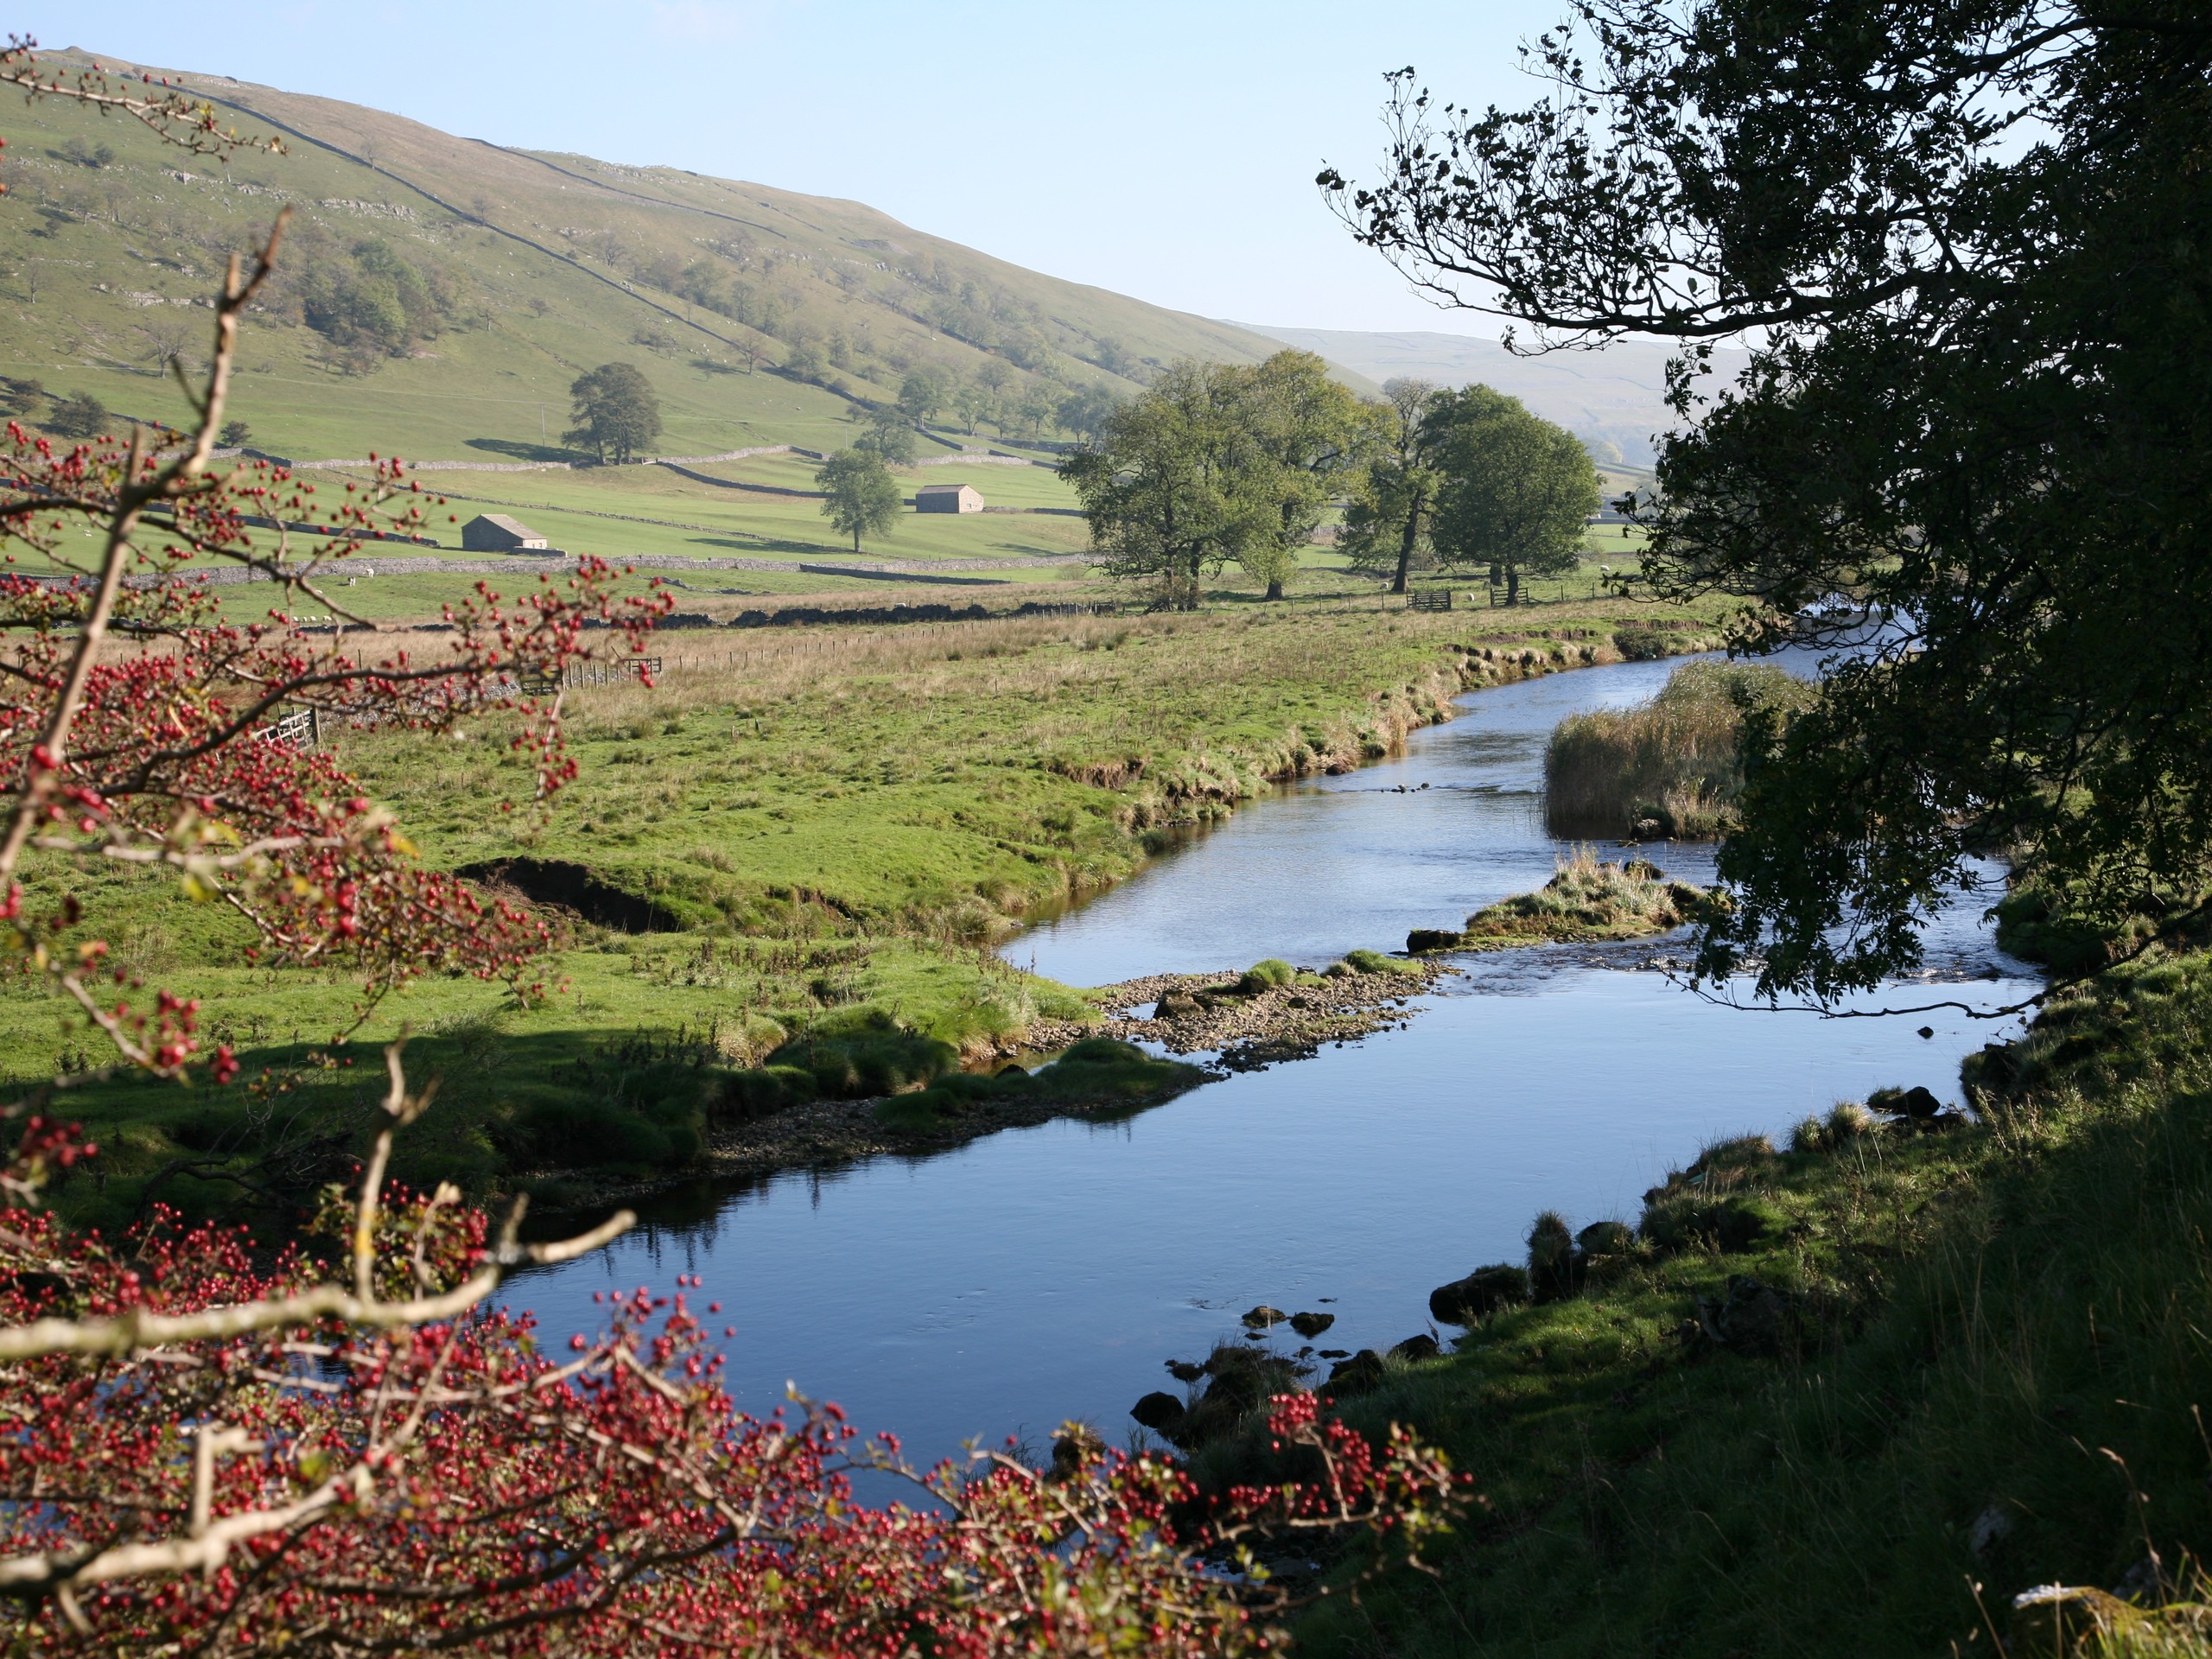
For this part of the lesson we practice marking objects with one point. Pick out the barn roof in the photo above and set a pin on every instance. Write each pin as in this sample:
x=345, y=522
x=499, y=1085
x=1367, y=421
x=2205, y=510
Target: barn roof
x=513, y=526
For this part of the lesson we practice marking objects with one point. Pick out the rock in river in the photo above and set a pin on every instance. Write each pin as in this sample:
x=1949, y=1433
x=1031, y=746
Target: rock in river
x=1434, y=939
x=1263, y=1316
x=1312, y=1325
x=1361, y=1372
x=1480, y=1293
x=1159, y=1411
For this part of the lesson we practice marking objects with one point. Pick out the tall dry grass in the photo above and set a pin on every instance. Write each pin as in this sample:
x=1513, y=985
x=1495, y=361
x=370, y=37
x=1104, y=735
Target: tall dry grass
x=1670, y=767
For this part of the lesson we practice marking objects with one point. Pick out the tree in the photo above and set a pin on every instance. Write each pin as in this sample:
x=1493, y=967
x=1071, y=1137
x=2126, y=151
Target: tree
x=862, y=498
x=888, y=435
x=1085, y=412
x=1035, y=408
x=1515, y=491
x=1306, y=429
x=616, y=411
x=1971, y=243
x=1167, y=489
x=80, y=415
x=924, y=392
x=973, y=402
x=235, y=434
x=1394, y=497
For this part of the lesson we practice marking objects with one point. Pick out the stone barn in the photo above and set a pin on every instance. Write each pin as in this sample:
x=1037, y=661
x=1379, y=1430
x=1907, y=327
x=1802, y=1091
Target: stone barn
x=948, y=498
x=494, y=532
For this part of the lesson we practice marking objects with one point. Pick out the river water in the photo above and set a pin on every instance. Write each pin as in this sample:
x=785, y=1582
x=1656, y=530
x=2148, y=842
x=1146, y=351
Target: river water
x=1046, y=1273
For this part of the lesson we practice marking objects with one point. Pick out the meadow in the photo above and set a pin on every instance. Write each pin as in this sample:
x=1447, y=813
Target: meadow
x=795, y=826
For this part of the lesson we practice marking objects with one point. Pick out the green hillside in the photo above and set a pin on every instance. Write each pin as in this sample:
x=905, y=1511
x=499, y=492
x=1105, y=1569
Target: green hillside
x=440, y=294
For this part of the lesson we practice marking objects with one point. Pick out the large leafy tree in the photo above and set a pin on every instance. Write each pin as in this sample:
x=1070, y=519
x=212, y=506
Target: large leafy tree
x=1302, y=431
x=1168, y=488
x=859, y=496
x=616, y=411
x=1514, y=492
x=1217, y=463
x=1972, y=242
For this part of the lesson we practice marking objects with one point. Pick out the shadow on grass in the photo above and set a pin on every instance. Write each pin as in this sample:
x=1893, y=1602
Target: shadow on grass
x=766, y=544
x=516, y=450
x=257, y=1150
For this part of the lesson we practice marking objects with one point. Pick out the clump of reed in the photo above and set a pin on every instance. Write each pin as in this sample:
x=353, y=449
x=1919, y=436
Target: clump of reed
x=1668, y=769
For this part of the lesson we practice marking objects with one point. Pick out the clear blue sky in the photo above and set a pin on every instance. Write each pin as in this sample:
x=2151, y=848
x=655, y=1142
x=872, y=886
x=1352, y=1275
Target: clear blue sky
x=1167, y=150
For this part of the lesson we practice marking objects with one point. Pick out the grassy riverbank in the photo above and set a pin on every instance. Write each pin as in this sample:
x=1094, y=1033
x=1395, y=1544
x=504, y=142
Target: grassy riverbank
x=1844, y=1397
x=797, y=826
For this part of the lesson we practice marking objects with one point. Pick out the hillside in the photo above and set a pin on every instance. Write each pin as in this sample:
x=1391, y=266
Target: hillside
x=439, y=293
x=1616, y=395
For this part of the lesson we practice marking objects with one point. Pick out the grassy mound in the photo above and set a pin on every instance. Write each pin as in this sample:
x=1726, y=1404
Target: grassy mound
x=1841, y=1397
x=1669, y=768
x=1588, y=900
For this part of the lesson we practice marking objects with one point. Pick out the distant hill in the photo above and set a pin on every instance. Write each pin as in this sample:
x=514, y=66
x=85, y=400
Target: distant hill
x=1615, y=397
x=440, y=294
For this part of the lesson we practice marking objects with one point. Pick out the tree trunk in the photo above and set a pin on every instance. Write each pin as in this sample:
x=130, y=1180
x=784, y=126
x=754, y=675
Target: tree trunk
x=1406, y=546
x=1274, y=588
x=1512, y=585
x=856, y=541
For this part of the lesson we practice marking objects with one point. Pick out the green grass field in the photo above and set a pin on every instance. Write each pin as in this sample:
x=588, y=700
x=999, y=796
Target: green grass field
x=826, y=820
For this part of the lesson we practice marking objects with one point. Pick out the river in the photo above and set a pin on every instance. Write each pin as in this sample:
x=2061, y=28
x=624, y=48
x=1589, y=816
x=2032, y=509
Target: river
x=1046, y=1273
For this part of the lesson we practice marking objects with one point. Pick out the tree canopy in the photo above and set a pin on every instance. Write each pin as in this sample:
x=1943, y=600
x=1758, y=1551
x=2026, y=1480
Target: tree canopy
x=1305, y=429
x=861, y=496
x=1215, y=463
x=616, y=411
x=1514, y=492
x=1973, y=243
x=888, y=435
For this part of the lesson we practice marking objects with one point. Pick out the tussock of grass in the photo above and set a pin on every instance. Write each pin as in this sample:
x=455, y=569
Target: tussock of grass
x=1588, y=900
x=1668, y=769
x=1364, y=961
x=1265, y=976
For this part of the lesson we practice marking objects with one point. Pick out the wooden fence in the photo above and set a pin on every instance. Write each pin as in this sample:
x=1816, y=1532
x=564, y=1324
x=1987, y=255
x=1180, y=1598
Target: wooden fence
x=614, y=673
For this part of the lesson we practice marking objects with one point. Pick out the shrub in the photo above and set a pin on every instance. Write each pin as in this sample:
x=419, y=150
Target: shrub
x=79, y=416
x=587, y=1134
x=1846, y=1121
x=1105, y=1069
x=1588, y=899
x=1551, y=1258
